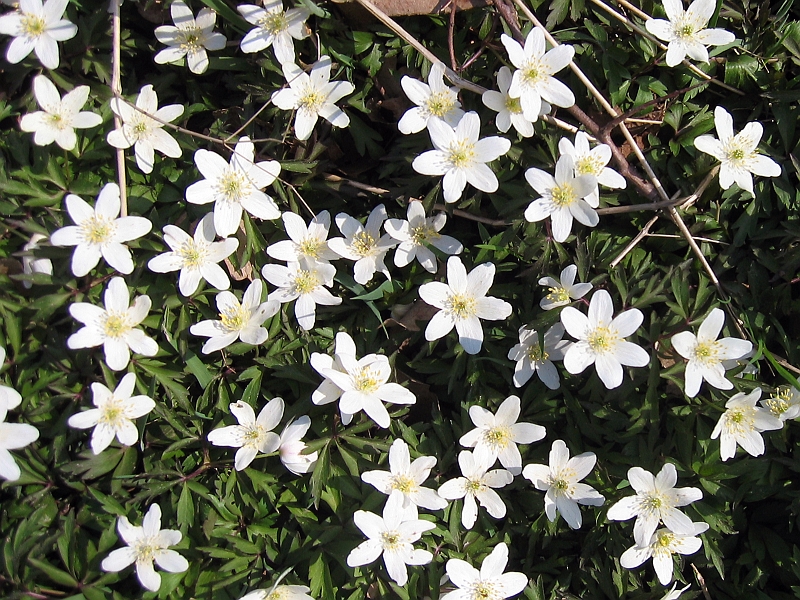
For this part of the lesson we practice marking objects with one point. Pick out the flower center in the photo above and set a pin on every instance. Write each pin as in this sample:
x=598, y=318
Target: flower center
x=309, y=247
x=404, y=483
x=741, y=420
x=366, y=380
x=145, y=549
x=474, y=485
x=653, y=503
x=461, y=154
x=684, y=30
x=534, y=72
x=234, y=318
x=440, y=103
x=563, y=195
x=513, y=105
x=664, y=539
x=279, y=593
x=422, y=234
x=112, y=413
x=558, y=294
x=461, y=306
x=232, y=185
x=485, y=591
x=498, y=437
x=191, y=41
x=274, y=22
x=194, y=255
x=311, y=100
x=57, y=120
x=537, y=354
x=780, y=402
x=602, y=340
x=589, y=165
x=116, y=325
x=707, y=352
x=363, y=243
x=736, y=154
x=98, y=230
x=140, y=129
x=33, y=25
x=390, y=540
x=253, y=435
x=305, y=281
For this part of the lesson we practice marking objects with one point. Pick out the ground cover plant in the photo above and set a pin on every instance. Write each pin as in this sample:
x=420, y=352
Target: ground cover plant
x=346, y=300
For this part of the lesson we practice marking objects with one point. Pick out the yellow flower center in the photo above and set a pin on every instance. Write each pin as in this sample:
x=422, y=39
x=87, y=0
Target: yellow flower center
x=461, y=154
x=194, y=256
x=602, y=340
x=563, y=195
x=685, y=30
x=235, y=318
x=461, y=306
x=498, y=437
x=311, y=100
x=140, y=129
x=737, y=155
x=33, y=25
x=253, y=435
x=780, y=402
x=116, y=325
x=366, y=380
x=305, y=281
x=440, y=103
x=513, y=105
x=274, y=22
x=664, y=540
x=191, y=39
x=309, y=247
x=363, y=243
x=707, y=352
x=112, y=413
x=98, y=230
x=423, y=233
x=741, y=420
x=537, y=354
x=653, y=502
x=232, y=185
x=474, y=485
x=534, y=72
x=485, y=591
x=588, y=165
x=558, y=294
x=391, y=540
x=404, y=483
x=145, y=549
x=57, y=120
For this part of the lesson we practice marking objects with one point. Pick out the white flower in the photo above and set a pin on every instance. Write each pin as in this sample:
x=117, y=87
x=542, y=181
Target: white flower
x=291, y=447
x=433, y=100
x=532, y=357
x=114, y=327
x=601, y=339
x=496, y=436
x=142, y=131
x=100, y=231
x=275, y=27
x=560, y=479
x=196, y=257
x=363, y=244
x=706, y=353
x=306, y=285
x=685, y=31
x=9, y=397
x=251, y=435
x=313, y=96
x=59, y=118
x=656, y=500
x=476, y=484
x=488, y=583
x=674, y=593
x=418, y=231
x=280, y=592
x=460, y=156
x=742, y=423
x=189, y=37
x=463, y=302
x=146, y=544
x=364, y=384
x=37, y=27
x=592, y=161
x=533, y=80
x=784, y=403
x=114, y=414
x=564, y=291
x=237, y=320
x=234, y=186
x=661, y=546
x=406, y=477
x=307, y=245
x=328, y=391
x=563, y=198
x=508, y=109
x=31, y=264
x=13, y=436
x=391, y=536
x=737, y=153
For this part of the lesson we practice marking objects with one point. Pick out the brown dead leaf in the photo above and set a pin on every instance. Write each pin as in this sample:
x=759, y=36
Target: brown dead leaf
x=407, y=315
